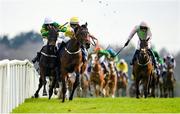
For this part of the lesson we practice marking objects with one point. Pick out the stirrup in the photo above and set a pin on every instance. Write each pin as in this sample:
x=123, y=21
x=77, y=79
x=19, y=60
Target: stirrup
x=131, y=63
x=34, y=60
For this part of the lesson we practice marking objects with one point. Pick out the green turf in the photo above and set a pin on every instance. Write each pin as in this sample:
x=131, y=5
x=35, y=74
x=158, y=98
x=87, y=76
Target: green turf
x=108, y=105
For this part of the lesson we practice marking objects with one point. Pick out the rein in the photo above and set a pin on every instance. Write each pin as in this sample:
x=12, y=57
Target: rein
x=72, y=53
x=144, y=64
x=47, y=55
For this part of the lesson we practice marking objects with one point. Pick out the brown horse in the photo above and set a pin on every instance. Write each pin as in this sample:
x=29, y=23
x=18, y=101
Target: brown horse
x=143, y=71
x=111, y=83
x=97, y=75
x=48, y=55
x=71, y=57
x=85, y=84
x=122, y=83
x=169, y=81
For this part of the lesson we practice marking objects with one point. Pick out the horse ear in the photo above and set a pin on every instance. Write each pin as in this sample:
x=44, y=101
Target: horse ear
x=86, y=24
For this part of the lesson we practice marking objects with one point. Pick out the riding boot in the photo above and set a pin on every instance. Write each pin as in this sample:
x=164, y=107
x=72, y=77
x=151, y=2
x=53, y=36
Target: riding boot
x=61, y=46
x=134, y=57
x=89, y=68
x=37, y=58
x=104, y=67
x=84, y=54
x=153, y=58
x=57, y=70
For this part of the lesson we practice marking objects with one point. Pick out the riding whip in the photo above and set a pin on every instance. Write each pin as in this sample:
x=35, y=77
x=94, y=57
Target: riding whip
x=63, y=25
x=120, y=51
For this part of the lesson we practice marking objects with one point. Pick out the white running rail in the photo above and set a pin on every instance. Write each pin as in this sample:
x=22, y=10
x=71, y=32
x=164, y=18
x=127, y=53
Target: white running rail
x=18, y=81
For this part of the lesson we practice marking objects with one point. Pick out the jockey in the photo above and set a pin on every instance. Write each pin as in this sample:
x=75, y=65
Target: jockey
x=169, y=59
x=105, y=53
x=123, y=67
x=102, y=55
x=158, y=59
x=48, y=23
x=112, y=54
x=144, y=33
x=74, y=22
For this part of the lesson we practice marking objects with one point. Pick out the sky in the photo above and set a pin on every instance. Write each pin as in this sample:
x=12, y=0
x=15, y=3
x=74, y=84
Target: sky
x=111, y=21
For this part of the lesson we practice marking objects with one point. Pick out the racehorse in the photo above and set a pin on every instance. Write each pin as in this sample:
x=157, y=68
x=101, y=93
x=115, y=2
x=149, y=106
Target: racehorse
x=48, y=61
x=97, y=75
x=82, y=91
x=85, y=84
x=122, y=83
x=159, y=81
x=71, y=57
x=111, y=82
x=143, y=70
x=169, y=81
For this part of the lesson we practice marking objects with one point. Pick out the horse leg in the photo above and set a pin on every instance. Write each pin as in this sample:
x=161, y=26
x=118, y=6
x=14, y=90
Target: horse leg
x=153, y=86
x=146, y=88
x=172, y=91
x=113, y=92
x=36, y=95
x=63, y=88
x=79, y=87
x=44, y=89
x=137, y=88
x=90, y=86
x=161, y=90
x=51, y=87
x=76, y=83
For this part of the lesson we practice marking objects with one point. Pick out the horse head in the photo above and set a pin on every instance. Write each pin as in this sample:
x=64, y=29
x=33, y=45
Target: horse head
x=111, y=66
x=52, y=35
x=143, y=55
x=94, y=60
x=82, y=35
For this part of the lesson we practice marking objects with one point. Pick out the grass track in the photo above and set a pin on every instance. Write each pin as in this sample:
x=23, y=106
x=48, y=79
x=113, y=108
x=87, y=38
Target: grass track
x=100, y=105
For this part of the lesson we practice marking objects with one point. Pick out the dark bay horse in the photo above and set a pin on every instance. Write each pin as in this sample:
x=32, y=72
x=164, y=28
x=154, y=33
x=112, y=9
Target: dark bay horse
x=143, y=71
x=169, y=81
x=71, y=57
x=48, y=61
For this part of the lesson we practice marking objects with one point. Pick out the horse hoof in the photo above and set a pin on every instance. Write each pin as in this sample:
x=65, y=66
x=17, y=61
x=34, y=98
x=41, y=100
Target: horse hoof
x=50, y=97
x=32, y=96
x=91, y=94
x=55, y=92
x=36, y=95
x=44, y=94
x=70, y=98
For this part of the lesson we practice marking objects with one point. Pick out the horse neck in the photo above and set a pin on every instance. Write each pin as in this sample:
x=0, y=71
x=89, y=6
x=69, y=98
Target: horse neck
x=145, y=58
x=52, y=42
x=111, y=66
x=73, y=45
x=97, y=67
